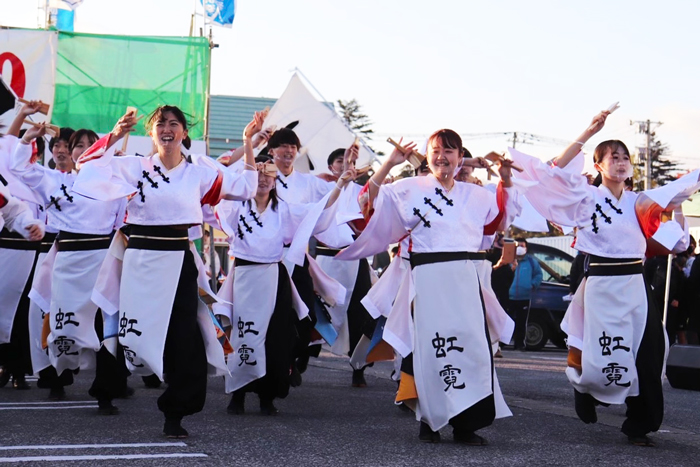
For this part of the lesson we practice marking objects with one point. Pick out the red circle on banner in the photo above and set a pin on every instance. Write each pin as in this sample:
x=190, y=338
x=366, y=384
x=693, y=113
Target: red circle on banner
x=19, y=78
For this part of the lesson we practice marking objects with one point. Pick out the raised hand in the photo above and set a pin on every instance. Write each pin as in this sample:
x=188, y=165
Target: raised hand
x=400, y=154
x=124, y=125
x=34, y=132
x=30, y=108
x=262, y=137
x=254, y=126
x=597, y=123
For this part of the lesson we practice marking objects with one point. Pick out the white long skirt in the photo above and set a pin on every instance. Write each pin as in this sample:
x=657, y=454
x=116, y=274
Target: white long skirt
x=14, y=274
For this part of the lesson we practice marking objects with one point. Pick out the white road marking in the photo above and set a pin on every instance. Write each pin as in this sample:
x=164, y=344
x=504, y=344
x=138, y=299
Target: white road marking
x=99, y=457
x=2, y=404
x=51, y=408
x=178, y=444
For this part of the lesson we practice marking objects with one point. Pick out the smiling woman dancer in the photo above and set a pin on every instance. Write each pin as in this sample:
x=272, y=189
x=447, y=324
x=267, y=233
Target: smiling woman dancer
x=162, y=326
x=447, y=334
x=616, y=341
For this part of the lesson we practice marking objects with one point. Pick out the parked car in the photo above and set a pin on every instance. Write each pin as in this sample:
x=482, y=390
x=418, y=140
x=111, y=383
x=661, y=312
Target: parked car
x=547, y=307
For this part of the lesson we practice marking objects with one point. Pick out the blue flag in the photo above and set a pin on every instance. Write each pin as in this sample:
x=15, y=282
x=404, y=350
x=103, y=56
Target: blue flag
x=220, y=12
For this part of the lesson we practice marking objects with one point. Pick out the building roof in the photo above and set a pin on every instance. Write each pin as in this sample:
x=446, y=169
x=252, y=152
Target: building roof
x=228, y=116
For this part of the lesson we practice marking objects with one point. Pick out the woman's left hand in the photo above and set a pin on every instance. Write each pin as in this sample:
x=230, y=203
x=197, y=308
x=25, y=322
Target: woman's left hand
x=349, y=175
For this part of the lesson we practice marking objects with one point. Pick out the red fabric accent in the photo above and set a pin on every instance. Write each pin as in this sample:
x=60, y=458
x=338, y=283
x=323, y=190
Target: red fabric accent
x=363, y=199
x=492, y=227
x=649, y=216
x=213, y=196
x=95, y=151
x=359, y=224
x=19, y=77
x=3, y=201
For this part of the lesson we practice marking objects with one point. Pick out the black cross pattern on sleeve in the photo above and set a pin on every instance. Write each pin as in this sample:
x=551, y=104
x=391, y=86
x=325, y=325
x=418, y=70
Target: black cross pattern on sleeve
x=139, y=185
x=255, y=217
x=64, y=188
x=417, y=212
x=615, y=208
x=54, y=201
x=429, y=202
x=145, y=175
x=162, y=175
x=441, y=194
x=284, y=185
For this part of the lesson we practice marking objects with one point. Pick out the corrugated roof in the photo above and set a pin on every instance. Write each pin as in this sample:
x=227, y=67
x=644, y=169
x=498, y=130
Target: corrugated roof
x=228, y=116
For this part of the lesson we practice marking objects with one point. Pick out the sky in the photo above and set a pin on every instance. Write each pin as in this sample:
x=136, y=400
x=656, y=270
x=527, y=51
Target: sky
x=538, y=66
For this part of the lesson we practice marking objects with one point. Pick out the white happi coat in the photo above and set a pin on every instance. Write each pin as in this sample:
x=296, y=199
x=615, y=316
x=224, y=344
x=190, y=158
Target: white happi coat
x=453, y=369
x=607, y=316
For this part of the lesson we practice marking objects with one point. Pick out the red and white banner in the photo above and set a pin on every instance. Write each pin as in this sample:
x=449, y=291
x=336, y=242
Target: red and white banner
x=28, y=65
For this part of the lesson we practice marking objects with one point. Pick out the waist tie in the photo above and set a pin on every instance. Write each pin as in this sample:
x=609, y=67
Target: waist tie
x=245, y=262
x=418, y=259
x=69, y=241
x=47, y=242
x=13, y=241
x=326, y=251
x=158, y=237
x=601, y=266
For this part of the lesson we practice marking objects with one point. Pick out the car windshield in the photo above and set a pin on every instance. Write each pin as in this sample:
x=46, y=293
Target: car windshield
x=555, y=268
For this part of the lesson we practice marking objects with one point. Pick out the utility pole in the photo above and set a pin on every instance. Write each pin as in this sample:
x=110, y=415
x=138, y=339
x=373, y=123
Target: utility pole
x=645, y=127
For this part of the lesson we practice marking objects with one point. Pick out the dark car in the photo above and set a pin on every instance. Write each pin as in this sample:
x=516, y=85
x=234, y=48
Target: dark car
x=547, y=307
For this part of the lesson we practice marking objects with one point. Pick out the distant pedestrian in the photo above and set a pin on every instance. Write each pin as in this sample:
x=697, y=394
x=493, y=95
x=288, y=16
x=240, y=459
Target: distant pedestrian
x=527, y=277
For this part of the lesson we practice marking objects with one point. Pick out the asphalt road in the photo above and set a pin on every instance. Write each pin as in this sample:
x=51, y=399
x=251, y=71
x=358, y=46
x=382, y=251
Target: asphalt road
x=326, y=422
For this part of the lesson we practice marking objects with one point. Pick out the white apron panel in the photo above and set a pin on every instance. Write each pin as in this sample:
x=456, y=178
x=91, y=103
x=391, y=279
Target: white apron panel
x=254, y=298
x=72, y=320
x=452, y=362
x=614, y=319
x=148, y=286
x=14, y=274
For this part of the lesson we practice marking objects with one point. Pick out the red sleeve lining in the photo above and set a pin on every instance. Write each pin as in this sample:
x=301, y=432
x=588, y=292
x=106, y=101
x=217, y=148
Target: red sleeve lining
x=213, y=196
x=492, y=227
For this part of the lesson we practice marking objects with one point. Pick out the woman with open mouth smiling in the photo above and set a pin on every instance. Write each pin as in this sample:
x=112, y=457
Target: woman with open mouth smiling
x=163, y=325
x=447, y=373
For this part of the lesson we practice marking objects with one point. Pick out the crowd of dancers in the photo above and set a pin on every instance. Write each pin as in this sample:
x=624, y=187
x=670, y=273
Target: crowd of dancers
x=99, y=270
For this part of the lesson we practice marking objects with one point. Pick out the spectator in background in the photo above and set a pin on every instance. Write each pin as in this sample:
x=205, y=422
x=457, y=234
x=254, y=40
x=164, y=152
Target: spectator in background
x=691, y=257
x=527, y=277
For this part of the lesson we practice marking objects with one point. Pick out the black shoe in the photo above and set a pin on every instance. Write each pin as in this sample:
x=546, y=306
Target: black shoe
x=151, y=381
x=268, y=408
x=295, y=376
x=57, y=393
x=18, y=382
x=237, y=404
x=469, y=438
x=642, y=441
x=105, y=407
x=4, y=376
x=585, y=407
x=427, y=435
x=358, y=379
x=172, y=429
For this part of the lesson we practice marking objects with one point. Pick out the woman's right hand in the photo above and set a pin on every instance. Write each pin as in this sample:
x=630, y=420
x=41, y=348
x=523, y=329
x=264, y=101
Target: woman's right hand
x=124, y=125
x=30, y=108
x=34, y=132
x=253, y=127
x=597, y=123
x=399, y=156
